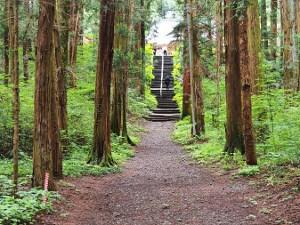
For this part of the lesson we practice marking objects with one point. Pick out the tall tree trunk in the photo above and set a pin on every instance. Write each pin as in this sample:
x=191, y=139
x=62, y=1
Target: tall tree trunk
x=186, y=100
x=219, y=52
x=14, y=73
x=143, y=49
x=120, y=79
x=116, y=118
x=46, y=134
x=290, y=50
x=6, y=43
x=26, y=42
x=249, y=140
x=234, y=134
x=62, y=40
x=264, y=27
x=254, y=48
x=298, y=39
x=198, y=72
x=274, y=17
x=101, y=151
x=75, y=19
x=188, y=7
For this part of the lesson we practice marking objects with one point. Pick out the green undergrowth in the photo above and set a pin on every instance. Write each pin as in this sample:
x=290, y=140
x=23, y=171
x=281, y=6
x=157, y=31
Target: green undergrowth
x=276, y=123
x=22, y=209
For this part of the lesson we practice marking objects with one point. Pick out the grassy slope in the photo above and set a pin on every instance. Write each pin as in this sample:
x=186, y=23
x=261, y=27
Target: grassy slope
x=277, y=127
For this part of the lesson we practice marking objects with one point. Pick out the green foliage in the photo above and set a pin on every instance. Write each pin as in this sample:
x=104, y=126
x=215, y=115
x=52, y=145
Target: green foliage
x=276, y=124
x=249, y=171
x=178, y=78
x=22, y=208
x=80, y=137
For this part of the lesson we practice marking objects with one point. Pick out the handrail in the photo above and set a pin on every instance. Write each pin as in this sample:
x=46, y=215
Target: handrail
x=162, y=75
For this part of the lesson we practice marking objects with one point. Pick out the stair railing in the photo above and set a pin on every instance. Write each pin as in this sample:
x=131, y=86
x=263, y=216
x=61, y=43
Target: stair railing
x=162, y=75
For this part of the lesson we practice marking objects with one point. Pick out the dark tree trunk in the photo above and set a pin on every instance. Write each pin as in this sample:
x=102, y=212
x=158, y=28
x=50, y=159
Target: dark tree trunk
x=14, y=73
x=62, y=40
x=46, y=142
x=234, y=134
x=249, y=139
x=101, y=151
x=186, y=100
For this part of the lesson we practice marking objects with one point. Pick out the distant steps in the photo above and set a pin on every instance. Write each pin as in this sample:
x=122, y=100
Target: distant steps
x=167, y=109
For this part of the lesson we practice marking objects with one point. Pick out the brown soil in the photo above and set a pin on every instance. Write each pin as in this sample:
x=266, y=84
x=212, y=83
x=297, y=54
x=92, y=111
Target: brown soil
x=160, y=186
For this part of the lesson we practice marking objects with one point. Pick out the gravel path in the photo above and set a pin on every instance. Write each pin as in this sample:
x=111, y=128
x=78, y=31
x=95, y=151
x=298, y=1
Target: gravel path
x=160, y=186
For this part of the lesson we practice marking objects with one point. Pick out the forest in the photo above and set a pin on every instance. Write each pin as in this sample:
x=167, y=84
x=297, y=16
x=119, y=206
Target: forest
x=99, y=127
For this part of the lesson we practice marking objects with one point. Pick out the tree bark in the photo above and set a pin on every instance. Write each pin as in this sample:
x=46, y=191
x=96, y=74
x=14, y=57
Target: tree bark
x=62, y=39
x=14, y=73
x=26, y=42
x=254, y=47
x=249, y=140
x=197, y=76
x=186, y=100
x=234, y=134
x=101, y=151
x=274, y=17
x=219, y=52
x=46, y=134
x=290, y=51
x=298, y=39
x=6, y=43
x=116, y=118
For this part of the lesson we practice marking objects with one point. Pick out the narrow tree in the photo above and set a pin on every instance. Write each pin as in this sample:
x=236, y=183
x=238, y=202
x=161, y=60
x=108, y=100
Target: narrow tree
x=198, y=72
x=62, y=41
x=121, y=69
x=14, y=73
x=75, y=20
x=6, y=42
x=264, y=27
x=26, y=40
x=191, y=61
x=254, y=46
x=289, y=49
x=273, y=41
x=219, y=52
x=234, y=134
x=186, y=100
x=101, y=151
x=297, y=8
x=143, y=48
x=46, y=133
x=249, y=139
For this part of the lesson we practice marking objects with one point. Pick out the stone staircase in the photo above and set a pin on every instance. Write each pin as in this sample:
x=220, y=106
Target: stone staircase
x=167, y=109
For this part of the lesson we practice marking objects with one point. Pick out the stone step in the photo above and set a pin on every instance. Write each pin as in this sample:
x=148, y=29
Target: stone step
x=166, y=111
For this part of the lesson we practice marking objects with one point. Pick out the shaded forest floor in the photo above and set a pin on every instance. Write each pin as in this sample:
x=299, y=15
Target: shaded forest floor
x=161, y=185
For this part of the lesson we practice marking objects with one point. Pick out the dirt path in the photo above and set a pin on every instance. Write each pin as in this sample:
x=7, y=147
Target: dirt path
x=160, y=186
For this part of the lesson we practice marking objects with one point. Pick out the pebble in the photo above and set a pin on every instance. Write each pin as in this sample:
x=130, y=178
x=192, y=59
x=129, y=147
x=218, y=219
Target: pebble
x=165, y=206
